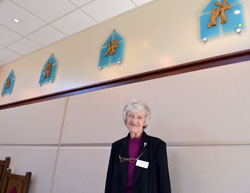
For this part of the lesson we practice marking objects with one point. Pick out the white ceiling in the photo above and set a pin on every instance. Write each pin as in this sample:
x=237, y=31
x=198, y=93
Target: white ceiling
x=43, y=22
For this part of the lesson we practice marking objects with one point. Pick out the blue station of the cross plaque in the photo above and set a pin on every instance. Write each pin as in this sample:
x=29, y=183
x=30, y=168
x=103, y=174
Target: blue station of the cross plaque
x=215, y=13
x=49, y=71
x=9, y=84
x=112, y=50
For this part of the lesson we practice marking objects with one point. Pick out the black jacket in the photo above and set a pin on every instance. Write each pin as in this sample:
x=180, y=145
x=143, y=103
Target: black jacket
x=154, y=179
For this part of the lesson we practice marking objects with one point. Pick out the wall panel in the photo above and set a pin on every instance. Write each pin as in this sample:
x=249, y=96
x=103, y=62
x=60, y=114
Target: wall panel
x=39, y=160
x=38, y=123
x=209, y=169
x=81, y=169
x=94, y=117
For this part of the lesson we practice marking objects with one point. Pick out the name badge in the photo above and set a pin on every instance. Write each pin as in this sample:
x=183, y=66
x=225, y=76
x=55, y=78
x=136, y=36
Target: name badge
x=142, y=164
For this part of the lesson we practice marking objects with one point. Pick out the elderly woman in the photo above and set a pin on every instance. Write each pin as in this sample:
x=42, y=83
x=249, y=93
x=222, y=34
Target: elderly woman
x=138, y=162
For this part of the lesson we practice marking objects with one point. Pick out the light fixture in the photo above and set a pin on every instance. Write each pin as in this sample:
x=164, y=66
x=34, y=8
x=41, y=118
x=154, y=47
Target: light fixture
x=204, y=39
x=16, y=20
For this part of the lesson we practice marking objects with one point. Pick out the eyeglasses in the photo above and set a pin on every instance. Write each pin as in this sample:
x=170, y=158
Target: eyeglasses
x=131, y=160
x=124, y=159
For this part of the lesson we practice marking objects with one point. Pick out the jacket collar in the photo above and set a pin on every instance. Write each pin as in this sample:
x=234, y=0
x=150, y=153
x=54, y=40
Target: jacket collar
x=123, y=152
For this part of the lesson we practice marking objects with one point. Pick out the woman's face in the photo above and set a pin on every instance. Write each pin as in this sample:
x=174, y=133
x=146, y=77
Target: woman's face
x=135, y=121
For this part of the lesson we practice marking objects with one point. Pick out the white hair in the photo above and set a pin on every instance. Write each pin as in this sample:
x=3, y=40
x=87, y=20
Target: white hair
x=135, y=105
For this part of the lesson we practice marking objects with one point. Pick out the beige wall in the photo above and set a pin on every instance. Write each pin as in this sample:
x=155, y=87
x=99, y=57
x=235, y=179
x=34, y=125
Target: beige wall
x=203, y=116
x=160, y=34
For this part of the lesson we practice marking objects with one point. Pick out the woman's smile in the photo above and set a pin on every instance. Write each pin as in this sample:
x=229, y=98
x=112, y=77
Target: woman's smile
x=135, y=123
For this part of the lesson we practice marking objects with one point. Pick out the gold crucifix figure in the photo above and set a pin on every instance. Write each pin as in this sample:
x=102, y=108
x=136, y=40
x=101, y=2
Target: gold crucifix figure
x=48, y=70
x=111, y=47
x=221, y=11
x=7, y=84
x=215, y=13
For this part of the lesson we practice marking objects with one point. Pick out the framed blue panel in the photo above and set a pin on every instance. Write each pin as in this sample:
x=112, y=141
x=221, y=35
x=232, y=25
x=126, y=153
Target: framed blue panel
x=117, y=57
x=9, y=84
x=49, y=71
x=234, y=17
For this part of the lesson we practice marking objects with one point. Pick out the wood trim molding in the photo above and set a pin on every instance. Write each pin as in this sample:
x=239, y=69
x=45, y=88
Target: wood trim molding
x=216, y=61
